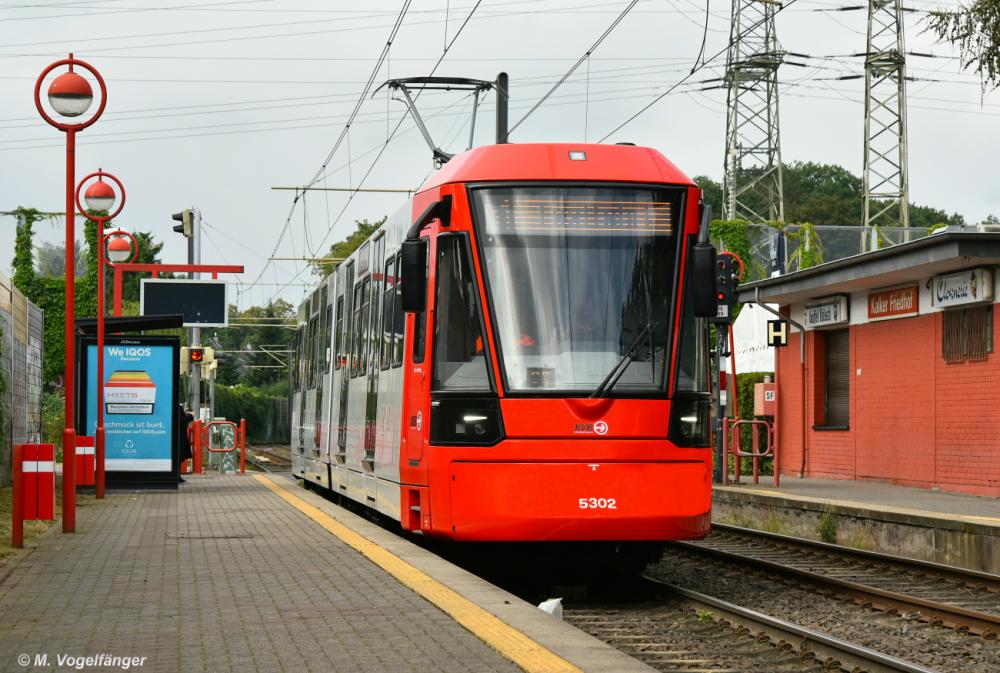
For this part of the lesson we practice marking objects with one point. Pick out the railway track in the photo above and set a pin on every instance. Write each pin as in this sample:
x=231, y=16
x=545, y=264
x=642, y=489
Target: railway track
x=691, y=631
x=933, y=593
x=270, y=458
x=924, y=615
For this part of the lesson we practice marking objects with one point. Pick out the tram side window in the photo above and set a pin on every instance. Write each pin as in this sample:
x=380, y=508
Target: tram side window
x=310, y=353
x=296, y=377
x=398, y=320
x=389, y=292
x=355, y=341
x=459, y=352
x=339, y=333
x=419, y=334
x=366, y=292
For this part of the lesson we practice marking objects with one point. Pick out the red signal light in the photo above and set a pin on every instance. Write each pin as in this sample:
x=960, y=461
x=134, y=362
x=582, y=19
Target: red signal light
x=197, y=354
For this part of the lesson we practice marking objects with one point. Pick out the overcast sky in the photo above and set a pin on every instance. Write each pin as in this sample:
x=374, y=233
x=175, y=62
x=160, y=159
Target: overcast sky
x=213, y=103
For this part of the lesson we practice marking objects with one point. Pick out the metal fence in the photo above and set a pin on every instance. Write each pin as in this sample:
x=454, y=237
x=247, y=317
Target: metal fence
x=836, y=242
x=21, y=365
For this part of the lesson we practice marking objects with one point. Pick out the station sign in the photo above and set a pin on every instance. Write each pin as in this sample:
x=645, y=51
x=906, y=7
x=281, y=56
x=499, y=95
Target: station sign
x=828, y=312
x=898, y=302
x=971, y=286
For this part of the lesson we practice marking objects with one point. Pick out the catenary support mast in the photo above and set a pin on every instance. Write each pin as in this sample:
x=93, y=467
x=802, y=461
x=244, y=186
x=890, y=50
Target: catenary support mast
x=752, y=183
x=885, y=176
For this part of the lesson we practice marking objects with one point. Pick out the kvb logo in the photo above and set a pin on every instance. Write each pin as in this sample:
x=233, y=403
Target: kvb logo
x=598, y=428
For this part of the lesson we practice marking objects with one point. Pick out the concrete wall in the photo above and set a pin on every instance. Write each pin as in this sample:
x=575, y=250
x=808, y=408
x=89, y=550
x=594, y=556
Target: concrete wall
x=915, y=420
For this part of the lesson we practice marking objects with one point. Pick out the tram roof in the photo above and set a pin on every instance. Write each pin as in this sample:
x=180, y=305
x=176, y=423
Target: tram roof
x=551, y=161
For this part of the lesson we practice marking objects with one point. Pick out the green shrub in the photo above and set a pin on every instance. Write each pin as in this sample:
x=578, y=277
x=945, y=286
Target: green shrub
x=53, y=415
x=744, y=387
x=265, y=410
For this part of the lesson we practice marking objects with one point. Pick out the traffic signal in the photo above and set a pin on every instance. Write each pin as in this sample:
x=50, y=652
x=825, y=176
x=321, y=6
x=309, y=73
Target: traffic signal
x=725, y=286
x=185, y=218
x=201, y=355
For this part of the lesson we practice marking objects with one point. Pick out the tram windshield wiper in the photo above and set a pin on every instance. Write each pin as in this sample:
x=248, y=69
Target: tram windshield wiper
x=616, y=372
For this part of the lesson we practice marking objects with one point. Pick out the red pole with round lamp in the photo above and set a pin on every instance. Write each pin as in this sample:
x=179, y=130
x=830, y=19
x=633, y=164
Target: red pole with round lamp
x=70, y=95
x=100, y=197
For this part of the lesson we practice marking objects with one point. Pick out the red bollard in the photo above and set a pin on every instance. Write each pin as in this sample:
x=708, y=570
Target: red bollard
x=17, y=511
x=243, y=446
x=85, y=463
x=45, y=482
x=29, y=482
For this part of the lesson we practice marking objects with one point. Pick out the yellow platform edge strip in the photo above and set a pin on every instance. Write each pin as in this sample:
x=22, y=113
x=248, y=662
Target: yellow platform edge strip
x=496, y=633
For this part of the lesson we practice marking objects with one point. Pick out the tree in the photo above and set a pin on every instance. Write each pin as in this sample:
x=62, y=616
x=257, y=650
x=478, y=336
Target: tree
x=975, y=31
x=344, y=248
x=149, y=253
x=246, y=368
x=52, y=260
x=825, y=195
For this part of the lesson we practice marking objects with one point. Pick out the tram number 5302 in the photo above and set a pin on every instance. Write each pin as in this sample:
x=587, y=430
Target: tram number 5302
x=598, y=503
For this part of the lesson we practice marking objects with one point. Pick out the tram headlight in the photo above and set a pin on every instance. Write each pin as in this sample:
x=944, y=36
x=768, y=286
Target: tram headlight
x=472, y=421
x=689, y=421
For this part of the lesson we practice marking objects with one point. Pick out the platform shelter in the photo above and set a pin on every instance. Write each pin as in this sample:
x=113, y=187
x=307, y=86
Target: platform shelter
x=900, y=379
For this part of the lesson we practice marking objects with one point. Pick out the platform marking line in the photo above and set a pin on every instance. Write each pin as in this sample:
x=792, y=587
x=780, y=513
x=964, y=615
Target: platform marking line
x=505, y=639
x=971, y=518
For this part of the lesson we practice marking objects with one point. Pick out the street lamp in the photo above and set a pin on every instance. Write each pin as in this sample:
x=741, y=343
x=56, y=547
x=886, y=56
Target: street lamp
x=70, y=95
x=100, y=197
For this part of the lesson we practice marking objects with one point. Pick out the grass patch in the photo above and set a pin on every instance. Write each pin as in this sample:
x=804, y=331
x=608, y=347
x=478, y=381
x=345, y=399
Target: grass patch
x=32, y=529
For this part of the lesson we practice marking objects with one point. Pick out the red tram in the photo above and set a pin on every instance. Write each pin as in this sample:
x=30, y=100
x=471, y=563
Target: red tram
x=517, y=356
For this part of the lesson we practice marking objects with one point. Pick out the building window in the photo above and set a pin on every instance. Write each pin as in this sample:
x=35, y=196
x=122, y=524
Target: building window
x=833, y=379
x=967, y=333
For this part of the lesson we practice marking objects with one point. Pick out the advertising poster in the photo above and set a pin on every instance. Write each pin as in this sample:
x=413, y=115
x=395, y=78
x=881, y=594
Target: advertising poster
x=140, y=405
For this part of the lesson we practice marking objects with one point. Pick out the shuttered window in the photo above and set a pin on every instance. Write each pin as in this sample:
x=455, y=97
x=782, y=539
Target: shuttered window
x=967, y=333
x=838, y=378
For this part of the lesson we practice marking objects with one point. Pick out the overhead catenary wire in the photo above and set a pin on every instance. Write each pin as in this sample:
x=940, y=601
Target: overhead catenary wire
x=569, y=73
x=381, y=151
x=340, y=138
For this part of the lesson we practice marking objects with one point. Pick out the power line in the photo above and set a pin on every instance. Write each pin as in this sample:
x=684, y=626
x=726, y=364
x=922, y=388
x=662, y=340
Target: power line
x=608, y=31
x=388, y=140
x=681, y=81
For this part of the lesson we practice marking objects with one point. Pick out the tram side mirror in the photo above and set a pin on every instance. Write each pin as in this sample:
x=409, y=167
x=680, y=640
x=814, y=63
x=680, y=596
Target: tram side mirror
x=414, y=275
x=702, y=279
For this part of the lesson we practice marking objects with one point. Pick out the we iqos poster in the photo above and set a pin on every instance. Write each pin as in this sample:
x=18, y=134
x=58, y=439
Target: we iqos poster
x=139, y=401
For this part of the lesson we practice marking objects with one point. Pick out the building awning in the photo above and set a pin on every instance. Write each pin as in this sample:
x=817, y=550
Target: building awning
x=907, y=262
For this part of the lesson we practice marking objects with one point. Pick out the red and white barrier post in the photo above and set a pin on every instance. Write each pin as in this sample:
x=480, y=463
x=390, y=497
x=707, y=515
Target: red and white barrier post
x=34, y=492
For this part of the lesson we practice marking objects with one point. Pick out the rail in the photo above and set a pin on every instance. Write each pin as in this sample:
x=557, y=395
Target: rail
x=932, y=611
x=850, y=655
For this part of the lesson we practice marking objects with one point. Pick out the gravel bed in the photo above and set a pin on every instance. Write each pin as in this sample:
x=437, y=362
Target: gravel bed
x=972, y=593
x=902, y=636
x=669, y=637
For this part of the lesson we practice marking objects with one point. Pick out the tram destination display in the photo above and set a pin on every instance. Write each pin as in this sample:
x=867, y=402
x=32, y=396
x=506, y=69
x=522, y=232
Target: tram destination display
x=201, y=302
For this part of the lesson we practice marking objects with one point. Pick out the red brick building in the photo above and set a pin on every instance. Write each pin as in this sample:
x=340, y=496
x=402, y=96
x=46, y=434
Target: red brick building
x=901, y=374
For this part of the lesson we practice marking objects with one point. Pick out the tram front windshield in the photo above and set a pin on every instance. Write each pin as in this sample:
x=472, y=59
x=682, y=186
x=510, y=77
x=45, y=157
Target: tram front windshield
x=580, y=281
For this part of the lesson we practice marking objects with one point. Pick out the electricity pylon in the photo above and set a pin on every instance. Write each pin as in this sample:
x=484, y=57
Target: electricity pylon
x=885, y=179
x=752, y=184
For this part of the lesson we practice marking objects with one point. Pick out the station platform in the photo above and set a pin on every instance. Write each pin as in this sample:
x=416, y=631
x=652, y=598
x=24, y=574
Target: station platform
x=254, y=573
x=949, y=528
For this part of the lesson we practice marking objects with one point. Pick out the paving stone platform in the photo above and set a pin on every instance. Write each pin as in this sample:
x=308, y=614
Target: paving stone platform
x=220, y=576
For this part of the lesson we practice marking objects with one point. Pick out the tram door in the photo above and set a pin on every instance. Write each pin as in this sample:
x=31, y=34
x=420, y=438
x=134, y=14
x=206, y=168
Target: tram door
x=342, y=368
x=416, y=390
